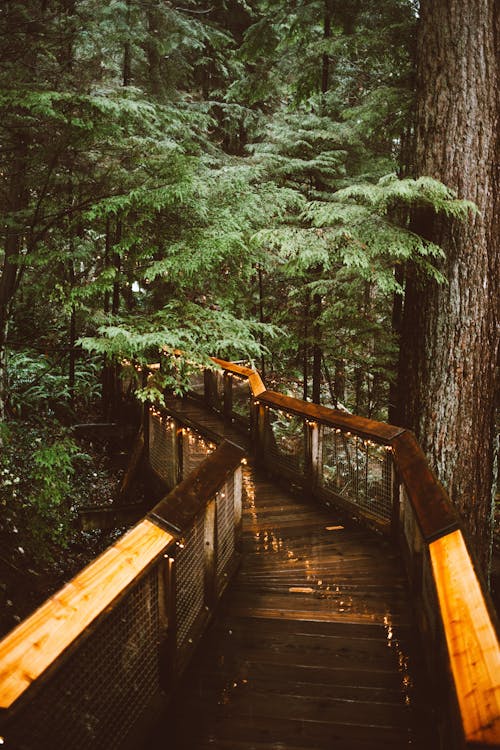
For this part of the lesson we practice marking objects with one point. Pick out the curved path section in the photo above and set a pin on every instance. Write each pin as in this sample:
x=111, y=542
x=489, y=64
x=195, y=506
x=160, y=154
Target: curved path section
x=314, y=647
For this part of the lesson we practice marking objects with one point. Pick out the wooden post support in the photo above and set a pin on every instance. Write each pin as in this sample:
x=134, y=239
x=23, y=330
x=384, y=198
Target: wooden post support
x=396, y=500
x=210, y=561
x=178, y=450
x=164, y=607
x=254, y=427
x=169, y=663
x=238, y=504
x=208, y=387
x=316, y=440
x=262, y=429
x=228, y=395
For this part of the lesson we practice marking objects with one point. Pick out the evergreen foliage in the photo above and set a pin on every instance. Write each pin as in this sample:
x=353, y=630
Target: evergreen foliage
x=159, y=161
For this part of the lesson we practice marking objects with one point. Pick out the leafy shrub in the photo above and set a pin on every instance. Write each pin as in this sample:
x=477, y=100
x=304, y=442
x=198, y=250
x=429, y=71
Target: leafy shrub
x=37, y=382
x=36, y=504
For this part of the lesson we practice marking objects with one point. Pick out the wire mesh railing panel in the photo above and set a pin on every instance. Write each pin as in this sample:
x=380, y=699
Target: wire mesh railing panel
x=225, y=531
x=412, y=536
x=359, y=471
x=96, y=697
x=285, y=441
x=190, y=580
x=197, y=383
x=162, y=454
x=241, y=398
x=218, y=391
x=195, y=449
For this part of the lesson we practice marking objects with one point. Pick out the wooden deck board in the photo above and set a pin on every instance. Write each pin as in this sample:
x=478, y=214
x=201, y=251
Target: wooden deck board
x=314, y=645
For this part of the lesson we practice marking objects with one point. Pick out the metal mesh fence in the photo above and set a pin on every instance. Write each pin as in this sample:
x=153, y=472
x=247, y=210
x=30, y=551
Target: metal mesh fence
x=197, y=383
x=357, y=470
x=190, y=580
x=225, y=531
x=195, y=449
x=218, y=390
x=285, y=441
x=95, y=698
x=162, y=453
x=241, y=398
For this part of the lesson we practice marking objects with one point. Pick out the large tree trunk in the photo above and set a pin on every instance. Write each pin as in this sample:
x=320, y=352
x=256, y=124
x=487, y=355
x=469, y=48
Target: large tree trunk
x=450, y=333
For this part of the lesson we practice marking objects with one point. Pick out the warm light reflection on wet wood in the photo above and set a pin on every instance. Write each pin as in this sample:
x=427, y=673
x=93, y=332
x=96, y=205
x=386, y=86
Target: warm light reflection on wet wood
x=39, y=640
x=472, y=643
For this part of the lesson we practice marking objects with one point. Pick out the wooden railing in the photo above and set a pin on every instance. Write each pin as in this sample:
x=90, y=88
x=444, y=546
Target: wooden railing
x=379, y=473
x=94, y=660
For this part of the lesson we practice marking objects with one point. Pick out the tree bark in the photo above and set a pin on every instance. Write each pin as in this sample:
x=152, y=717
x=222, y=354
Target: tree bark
x=305, y=351
x=262, y=321
x=317, y=350
x=450, y=333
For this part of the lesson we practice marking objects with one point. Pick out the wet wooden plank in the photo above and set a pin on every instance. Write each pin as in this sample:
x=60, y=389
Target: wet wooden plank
x=319, y=658
x=314, y=646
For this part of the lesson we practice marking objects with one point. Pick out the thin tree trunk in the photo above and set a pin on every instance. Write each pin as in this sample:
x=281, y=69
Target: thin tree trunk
x=450, y=333
x=331, y=386
x=305, y=351
x=395, y=416
x=339, y=380
x=325, y=62
x=107, y=254
x=127, y=52
x=15, y=202
x=153, y=50
x=358, y=389
x=317, y=352
x=262, y=320
x=115, y=305
x=72, y=335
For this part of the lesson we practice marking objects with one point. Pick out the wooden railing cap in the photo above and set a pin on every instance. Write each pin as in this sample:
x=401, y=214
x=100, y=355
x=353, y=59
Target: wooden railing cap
x=179, y=508
x=367, y=428
x=433, y=510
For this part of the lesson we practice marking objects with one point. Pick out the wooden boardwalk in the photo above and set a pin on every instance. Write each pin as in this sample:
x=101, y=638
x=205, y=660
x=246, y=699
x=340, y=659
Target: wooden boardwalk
x=314, y=646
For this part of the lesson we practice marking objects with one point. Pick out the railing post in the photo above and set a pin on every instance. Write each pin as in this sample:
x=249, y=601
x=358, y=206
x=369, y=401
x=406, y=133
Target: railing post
x=210, y=560
x=396, y=500
x=178, y=450
x=238, y=504
x=261, y=432
x=228, y=395
x=316, y=454
x=254, y=426
x=312, y=467
x=166, y=609
x=208, y=387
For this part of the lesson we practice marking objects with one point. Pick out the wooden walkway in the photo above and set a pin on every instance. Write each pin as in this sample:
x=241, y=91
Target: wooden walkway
x=314, y=646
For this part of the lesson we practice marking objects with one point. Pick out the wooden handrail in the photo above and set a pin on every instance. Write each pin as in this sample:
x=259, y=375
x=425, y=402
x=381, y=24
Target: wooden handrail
x=177, y=511
x=471, y=640
x=433, y=510
x=38, y=642
x=256, y=384
x=472, y=643
x=379, y=432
